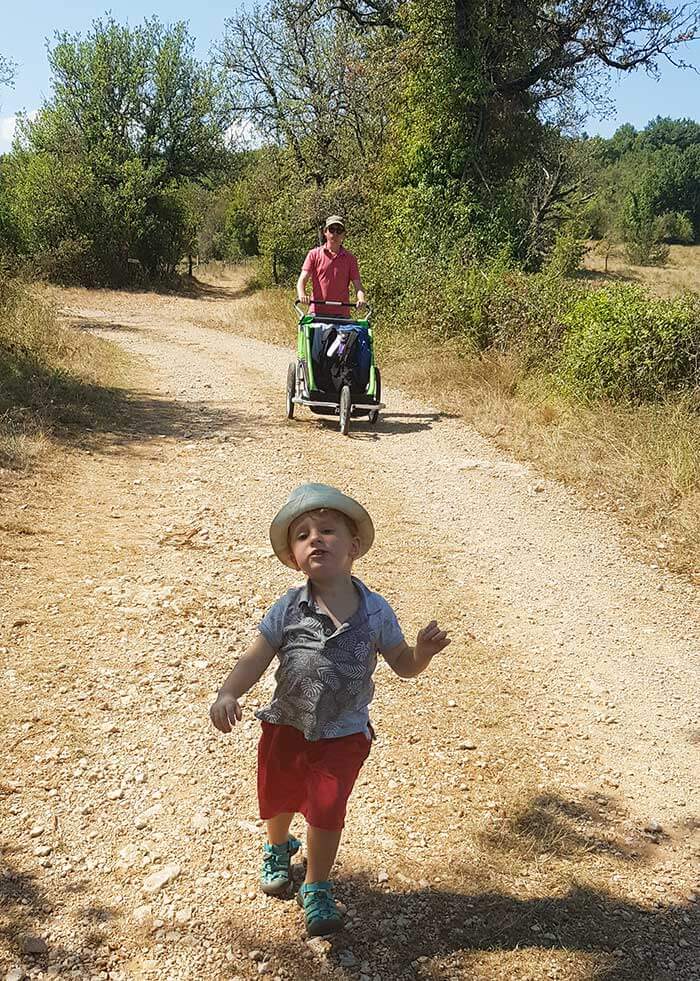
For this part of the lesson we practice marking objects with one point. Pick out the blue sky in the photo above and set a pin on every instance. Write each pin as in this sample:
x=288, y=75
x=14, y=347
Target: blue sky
x=24, y=27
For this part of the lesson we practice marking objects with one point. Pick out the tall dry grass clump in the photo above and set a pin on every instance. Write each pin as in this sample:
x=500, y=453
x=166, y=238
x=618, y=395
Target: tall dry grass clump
x=50, y=376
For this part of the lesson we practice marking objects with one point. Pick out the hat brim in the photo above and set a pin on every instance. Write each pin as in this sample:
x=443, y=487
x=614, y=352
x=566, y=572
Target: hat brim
x=314, y=497
x=334, y=220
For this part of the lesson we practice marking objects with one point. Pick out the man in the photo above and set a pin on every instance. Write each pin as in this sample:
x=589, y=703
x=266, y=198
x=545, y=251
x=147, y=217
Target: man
x=331, y=269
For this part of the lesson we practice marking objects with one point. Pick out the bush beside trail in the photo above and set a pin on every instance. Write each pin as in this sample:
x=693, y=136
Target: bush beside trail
x=617, y=342
x=622, y=343
x=51, y=376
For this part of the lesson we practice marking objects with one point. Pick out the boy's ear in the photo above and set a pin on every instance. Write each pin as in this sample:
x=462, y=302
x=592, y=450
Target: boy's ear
x=355, y=546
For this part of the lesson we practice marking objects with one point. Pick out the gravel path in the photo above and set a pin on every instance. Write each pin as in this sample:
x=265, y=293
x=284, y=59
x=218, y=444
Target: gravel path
x=531, y=808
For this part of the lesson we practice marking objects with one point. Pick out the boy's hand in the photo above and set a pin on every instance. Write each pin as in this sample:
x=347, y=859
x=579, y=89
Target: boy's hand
x=225, y=712
x=431, y=640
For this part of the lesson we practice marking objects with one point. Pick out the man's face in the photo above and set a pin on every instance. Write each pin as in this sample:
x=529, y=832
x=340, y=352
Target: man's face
x=334, y=236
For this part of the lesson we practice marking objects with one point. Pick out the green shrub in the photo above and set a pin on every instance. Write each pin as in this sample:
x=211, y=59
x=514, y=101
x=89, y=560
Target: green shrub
x=567, y=254
x=674, y=226
x=640, y=233
x=625, y=344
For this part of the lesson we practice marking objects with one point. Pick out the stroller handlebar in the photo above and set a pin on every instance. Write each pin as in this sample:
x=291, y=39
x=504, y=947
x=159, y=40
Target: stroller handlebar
x=298, y=305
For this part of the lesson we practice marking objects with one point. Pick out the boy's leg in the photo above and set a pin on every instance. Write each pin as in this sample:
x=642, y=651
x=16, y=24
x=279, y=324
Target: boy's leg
x=278, y=828
x=315, y=895
x=321, y=849
x=334, y=773
x=335, y=765
x=276, y=874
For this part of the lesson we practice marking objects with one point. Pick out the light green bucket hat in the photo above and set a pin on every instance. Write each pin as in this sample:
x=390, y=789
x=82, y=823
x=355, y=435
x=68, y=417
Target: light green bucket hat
x=314, y=497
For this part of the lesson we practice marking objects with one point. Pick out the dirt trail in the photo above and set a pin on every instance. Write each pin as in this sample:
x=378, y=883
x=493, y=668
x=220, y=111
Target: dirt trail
x=531, y=808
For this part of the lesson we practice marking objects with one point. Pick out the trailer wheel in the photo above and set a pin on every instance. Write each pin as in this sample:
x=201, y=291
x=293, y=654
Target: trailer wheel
x=291, y=388
x=345, y=407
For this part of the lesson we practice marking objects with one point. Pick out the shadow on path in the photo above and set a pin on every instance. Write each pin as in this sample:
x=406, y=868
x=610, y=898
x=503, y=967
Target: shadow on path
x=191, y=288
x=26, y=911
x=92, y=324
x=597, y=275
x=388, y=424
x=466, y=921
x=626, y=941
x=79, y=414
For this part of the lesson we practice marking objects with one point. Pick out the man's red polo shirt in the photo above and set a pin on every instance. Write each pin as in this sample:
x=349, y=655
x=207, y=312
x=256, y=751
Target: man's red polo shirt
x=331, y=276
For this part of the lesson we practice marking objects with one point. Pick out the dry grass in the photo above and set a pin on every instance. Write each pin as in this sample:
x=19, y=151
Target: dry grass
x=642, y=463
x=51, y=376
x=681, y=272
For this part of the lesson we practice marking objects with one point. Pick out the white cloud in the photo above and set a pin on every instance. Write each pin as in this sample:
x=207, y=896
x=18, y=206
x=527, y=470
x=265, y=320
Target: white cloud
x=8, y=124
x=7, y=131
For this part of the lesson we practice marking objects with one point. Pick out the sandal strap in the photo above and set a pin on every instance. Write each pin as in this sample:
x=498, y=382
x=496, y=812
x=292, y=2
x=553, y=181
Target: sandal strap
x=318, y=902
x=277, y=858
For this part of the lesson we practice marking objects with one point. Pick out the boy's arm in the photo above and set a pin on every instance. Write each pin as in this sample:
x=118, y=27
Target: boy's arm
x=407, y=662
x=226, y=711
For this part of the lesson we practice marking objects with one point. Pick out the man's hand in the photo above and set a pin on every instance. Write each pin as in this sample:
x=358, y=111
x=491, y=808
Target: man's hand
x=430, y=641
x=225, y=712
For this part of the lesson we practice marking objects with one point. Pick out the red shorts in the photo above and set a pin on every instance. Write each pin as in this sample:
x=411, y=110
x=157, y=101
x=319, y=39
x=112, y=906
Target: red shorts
x=312, y=778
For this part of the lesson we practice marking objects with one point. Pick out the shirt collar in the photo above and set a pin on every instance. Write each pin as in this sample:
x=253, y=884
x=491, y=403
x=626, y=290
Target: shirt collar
x=334, y=255
x=305, y=596
x=306, y=599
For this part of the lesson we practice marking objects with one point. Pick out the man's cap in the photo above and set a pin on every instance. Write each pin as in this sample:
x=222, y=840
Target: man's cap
x=334, y=220
x=314, y=497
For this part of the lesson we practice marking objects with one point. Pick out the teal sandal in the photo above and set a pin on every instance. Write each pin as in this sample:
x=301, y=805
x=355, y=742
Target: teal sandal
x=322, y=915
x=275, y=876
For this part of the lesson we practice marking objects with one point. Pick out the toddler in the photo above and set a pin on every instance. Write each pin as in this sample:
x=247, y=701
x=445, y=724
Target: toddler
x=316, y=732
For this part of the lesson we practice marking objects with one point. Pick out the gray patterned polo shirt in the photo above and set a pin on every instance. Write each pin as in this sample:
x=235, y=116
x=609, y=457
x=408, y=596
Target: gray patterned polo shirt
x=324, y=679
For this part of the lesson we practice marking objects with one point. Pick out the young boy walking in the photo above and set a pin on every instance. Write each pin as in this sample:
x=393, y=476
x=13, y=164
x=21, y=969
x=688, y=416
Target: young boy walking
x=316, y=732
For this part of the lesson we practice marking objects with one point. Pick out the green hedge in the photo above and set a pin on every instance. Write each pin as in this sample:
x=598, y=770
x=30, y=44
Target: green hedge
x=618, y=342
x=625, y=344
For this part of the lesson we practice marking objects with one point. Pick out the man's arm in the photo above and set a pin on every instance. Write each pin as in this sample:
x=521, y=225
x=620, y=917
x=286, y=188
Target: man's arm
x=304, y=277
x=360, y=291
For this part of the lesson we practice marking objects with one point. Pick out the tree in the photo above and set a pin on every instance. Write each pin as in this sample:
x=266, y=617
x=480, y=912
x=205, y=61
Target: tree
x=8, y=237
x=663, y=132
x=304, y=77
x=371, y=13
x=124, y=92
x=661, y=162
x=7, y=71
x=559, y=46
x=557, y=200
x=641, y=234
x=133, y=119
x=541, y=49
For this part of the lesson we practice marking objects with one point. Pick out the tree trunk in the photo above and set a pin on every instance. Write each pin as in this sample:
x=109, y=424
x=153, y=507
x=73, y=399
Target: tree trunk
x=461, y=23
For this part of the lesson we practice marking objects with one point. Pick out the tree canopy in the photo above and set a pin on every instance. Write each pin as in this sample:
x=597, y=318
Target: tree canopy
x=441, y=129
x=7, y=70
x=99, y=176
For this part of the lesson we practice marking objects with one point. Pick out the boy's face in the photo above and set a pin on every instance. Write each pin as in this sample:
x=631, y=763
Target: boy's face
x=322, y=544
